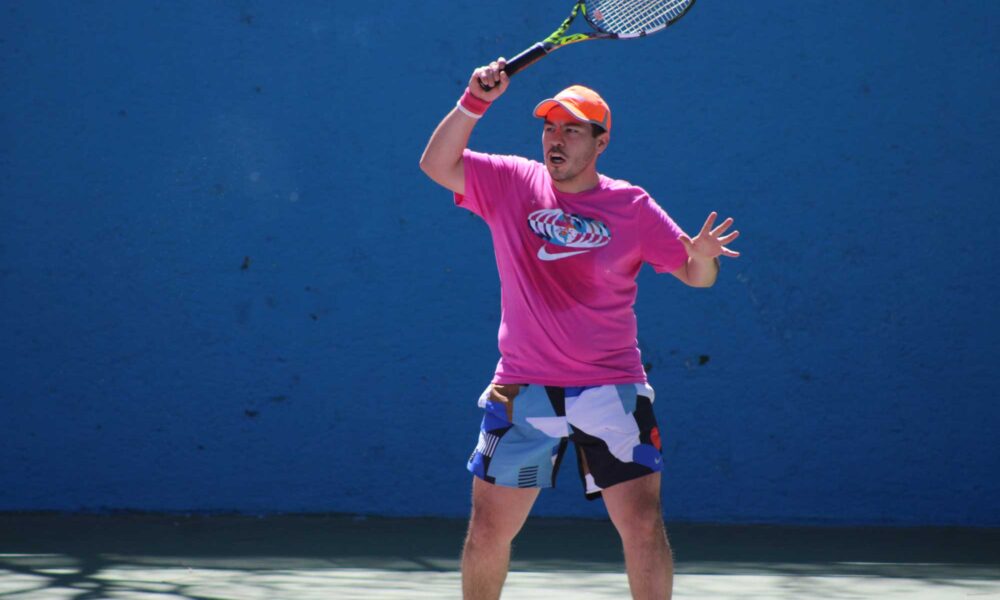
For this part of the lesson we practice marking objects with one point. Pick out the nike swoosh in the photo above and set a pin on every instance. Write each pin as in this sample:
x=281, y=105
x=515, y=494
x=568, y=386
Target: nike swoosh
x=544, y=254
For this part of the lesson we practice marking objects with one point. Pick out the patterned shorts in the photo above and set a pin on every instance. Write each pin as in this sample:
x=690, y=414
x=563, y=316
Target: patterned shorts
x=526, y=429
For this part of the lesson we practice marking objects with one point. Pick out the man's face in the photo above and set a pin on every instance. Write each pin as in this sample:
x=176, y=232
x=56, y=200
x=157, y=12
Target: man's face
x=569, y=145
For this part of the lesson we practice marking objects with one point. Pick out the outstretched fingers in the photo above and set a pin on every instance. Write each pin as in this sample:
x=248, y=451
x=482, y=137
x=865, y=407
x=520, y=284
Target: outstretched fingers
x=710, y=243
x=732, y=236
x=722, y=228
x=707, y=227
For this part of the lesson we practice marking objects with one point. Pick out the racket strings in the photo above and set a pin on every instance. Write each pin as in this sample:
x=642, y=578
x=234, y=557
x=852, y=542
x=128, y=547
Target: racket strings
x=634, y=17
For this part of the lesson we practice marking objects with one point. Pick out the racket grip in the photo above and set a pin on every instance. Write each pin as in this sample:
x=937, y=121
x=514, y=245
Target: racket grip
x=522, y=60
x=526, y=58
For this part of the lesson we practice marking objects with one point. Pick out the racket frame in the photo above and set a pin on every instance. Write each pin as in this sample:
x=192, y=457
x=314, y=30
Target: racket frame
x=558, y=39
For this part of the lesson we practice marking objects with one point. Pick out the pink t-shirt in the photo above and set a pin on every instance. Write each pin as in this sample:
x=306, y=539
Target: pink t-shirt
x=567, y=265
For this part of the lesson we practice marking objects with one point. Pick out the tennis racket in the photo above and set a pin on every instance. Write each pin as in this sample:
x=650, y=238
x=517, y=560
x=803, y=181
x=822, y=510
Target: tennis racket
x=610, y=20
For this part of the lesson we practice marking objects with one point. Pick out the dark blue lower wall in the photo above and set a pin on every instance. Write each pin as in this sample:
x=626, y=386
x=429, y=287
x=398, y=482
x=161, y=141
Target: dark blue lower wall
x=225, y=285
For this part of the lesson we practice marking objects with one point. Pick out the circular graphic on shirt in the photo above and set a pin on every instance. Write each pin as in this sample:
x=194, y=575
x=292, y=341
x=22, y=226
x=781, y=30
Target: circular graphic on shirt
x=568, y=230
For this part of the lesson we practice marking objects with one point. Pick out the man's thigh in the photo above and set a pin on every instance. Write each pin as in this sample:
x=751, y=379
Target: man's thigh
x=500, y=511
x=635, y=503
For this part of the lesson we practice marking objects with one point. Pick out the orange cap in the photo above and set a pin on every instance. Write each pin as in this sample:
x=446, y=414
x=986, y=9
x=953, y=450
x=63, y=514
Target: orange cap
x=582, y=102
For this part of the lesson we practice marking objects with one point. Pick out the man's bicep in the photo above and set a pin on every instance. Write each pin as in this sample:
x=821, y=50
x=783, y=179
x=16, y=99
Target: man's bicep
x=451, y=178
x=456, y=178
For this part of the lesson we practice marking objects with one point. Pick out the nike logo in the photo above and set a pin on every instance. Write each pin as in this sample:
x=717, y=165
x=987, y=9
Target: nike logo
x=545, y=255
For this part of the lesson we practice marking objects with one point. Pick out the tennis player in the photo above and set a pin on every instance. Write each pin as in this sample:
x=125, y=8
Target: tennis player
x=569, y=243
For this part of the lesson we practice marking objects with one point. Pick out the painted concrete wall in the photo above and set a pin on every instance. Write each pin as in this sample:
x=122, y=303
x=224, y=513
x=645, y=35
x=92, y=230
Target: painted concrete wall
x=226, y=286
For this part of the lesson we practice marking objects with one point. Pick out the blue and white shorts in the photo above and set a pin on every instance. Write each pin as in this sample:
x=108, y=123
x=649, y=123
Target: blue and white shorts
x=526, y=429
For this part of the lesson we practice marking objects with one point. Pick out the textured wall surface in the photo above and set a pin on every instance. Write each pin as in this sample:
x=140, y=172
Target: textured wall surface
x=226, y=286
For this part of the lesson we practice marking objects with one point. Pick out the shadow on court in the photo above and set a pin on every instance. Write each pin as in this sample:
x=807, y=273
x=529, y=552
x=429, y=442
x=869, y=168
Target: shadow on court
x=54, y=556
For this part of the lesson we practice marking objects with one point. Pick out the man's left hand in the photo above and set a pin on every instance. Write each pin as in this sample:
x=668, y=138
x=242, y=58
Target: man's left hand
x=710, y=243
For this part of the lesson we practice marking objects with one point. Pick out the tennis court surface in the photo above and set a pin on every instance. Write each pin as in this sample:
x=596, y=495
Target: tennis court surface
x=158, y=557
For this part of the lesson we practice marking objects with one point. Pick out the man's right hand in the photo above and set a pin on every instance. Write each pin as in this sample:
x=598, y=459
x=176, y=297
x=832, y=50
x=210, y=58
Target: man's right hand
x=490, y=75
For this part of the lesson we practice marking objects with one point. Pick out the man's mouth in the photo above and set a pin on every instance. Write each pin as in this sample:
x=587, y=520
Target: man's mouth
x=556, y=158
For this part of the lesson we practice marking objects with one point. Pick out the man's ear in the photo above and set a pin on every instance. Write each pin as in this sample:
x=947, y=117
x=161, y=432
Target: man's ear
x=602, y=141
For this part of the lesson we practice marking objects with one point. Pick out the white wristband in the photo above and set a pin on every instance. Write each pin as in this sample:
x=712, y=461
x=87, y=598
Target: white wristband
x=467, y=112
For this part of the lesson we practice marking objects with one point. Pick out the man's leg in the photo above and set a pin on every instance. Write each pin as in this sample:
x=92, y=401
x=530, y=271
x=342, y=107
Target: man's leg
x=498, y=513
x=634, y=508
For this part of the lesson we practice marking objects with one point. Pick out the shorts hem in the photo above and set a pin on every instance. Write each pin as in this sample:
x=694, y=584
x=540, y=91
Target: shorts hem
x=516, y=487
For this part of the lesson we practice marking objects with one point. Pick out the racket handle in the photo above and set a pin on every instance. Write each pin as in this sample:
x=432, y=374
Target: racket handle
x=522, y=60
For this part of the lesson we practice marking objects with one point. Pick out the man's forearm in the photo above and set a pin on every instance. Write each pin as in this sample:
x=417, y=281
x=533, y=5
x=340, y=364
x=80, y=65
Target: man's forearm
x=442, y=158
x=702, y=272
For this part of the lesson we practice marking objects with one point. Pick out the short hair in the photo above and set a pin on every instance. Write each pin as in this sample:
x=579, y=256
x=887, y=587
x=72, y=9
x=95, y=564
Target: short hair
x=596, y=129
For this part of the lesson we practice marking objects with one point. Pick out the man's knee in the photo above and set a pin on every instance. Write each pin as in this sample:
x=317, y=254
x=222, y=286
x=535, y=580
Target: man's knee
x=498, y=513
x=489, y=526
x=640, y=518
x=641, y=525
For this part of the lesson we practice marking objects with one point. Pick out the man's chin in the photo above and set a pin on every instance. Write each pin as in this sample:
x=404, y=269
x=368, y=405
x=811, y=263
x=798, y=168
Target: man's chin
x=556, y=173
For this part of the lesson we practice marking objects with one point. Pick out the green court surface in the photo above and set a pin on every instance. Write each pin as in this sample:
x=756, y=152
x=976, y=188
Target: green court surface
x=158, y=557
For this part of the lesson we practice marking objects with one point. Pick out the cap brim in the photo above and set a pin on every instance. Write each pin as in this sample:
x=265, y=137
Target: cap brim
x=545, y=106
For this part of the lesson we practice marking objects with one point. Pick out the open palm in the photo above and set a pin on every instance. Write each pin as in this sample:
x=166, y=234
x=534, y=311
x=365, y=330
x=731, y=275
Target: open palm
x=710, y=243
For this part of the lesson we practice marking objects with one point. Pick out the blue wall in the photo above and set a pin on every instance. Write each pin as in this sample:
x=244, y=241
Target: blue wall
x=225, y=284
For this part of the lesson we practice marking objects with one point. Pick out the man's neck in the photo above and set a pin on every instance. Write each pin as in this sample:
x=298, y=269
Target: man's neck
x=583, y=182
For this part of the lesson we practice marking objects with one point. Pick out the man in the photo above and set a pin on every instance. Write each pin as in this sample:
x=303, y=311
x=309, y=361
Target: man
x=569, y=243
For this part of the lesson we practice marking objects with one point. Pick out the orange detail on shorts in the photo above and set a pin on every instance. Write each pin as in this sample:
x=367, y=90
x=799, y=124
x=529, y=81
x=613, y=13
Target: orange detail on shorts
x=654, y=435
